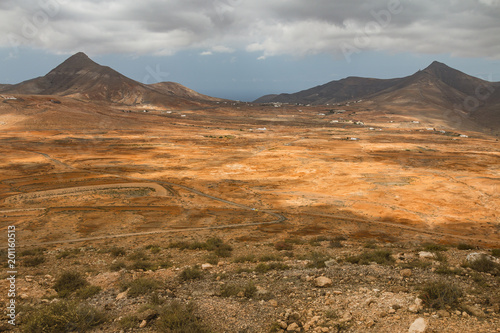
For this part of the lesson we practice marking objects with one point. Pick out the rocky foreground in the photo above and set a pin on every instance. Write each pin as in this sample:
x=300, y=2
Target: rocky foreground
x=207, y=284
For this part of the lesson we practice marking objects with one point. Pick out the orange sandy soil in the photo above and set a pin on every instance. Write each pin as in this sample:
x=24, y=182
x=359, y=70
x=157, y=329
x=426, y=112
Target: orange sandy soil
x=401, y=183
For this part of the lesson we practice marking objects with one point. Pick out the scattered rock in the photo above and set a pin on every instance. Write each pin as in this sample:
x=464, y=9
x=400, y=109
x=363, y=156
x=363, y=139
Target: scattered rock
x=274, y=303
x=418, y=326
x=143, y=324
x=474, y=310
x=473, y=257
x=322, y=282
x=28, y=278
x=413, y=308
x=443, y=313
x=206, y=266
x=122, y=295
x=147, y=315
x=293, y=327
x=330, y=263
x=282, y=324
x=425, y=254
x=406, y=273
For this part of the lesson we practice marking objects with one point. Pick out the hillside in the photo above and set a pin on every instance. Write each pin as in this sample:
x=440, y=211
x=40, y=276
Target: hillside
x=437, y=92
x=80, y=77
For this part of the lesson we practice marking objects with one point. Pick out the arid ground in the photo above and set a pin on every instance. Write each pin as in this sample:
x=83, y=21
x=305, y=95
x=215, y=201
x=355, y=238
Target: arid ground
x=76, y=175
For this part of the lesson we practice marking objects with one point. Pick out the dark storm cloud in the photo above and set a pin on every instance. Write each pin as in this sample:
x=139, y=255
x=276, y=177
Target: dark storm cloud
x=267, y=27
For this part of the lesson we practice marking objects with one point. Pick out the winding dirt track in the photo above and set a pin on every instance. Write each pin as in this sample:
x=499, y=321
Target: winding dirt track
x=279, y=218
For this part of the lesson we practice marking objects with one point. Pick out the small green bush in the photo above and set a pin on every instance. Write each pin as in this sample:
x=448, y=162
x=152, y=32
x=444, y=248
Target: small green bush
x=144, y=265
x=264, y=268
x=317, y=260
x=495, y=253
x=371, y=244
x=335, y=244
x=485, y=265
x=117, y=251
x=176, y=317
x=138, y=255
x=245, y=258
x=191, y=273
x=129, y=322
x=269, y=257
x=67, y=254
x=438, y=295
x=464, y=247
x=283, y=246
x=88, y=292
x=62, y=317
x=140, y=286
x=33, y=261
x=33, y=252
x=117, y=266
x=433, y=247
x=381, y=257
x=69, y=282
x=153, y=248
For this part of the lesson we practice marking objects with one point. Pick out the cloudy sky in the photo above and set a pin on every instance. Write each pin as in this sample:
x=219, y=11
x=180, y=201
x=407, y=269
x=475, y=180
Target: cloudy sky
x=242, y=49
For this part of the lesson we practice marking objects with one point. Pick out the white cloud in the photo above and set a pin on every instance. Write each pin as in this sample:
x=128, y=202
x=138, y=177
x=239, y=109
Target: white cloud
x=267, y=27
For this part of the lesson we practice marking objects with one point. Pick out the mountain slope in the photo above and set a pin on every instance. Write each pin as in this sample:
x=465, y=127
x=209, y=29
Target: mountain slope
x=82, y=78
x=430, y=93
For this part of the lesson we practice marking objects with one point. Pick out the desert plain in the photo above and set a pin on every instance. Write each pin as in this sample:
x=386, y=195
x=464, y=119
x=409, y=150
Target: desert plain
x=78, y=179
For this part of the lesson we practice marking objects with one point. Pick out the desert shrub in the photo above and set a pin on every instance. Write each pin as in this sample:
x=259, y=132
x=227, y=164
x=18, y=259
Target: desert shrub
x=250, y=290
x=438, y=294
x=117, y=251
x=144, y=265
x=245, y=258
x=485, y=265
x=294, y=240
x=37, y=251
x=283, y=246
x=465, y=246
x=495, y=253
x=269, y=257
x=176, y=317
x=68, y=254
x=214, y=244
x=381, y=257
x=153, y=248
x=433, y=247
x=129, y=322
x=165, y=263
x=448, y=271
x=416, y=263
x=140, y=286
x=33, y=261
x=264, y=268
x=117, y=266
x=88, y=292
x=62, y=317
x=69, y=282
x=138, y=255
x=179, y=245
x=317, y=260
x=371, y=244
x=224, y=250
x=229, y=290
x=335, y=244
x=191, y=273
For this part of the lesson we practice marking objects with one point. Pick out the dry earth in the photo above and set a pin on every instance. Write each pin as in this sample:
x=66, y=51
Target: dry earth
x=254, y=176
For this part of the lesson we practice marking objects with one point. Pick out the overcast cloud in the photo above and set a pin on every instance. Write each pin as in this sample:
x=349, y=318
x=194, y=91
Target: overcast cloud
x=264, y=27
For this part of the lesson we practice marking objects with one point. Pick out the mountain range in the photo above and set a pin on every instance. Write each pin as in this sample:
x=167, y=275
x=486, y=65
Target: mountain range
x=437, y=92
x=437, y=87
x=81, y=78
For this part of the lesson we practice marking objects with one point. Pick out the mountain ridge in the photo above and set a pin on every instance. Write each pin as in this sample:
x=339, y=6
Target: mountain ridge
x=82, y=78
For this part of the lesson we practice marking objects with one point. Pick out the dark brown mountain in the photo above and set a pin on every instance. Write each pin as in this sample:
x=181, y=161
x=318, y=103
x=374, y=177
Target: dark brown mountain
x=82, y=78
x=437, y=92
